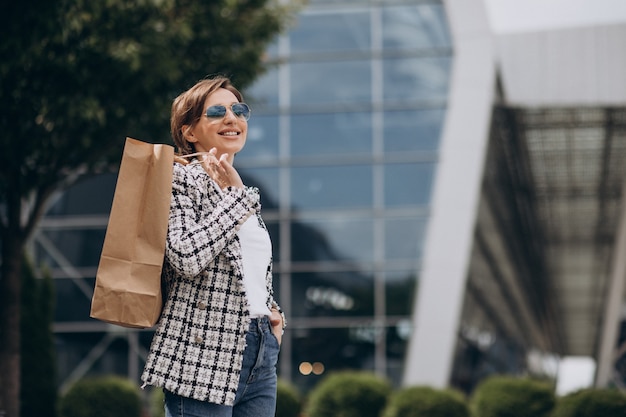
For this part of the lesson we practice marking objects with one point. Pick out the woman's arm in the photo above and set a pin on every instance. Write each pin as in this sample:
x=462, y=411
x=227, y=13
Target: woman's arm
x=198, y=231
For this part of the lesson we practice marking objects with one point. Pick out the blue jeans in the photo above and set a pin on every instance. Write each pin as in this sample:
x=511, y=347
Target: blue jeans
x=256, y=394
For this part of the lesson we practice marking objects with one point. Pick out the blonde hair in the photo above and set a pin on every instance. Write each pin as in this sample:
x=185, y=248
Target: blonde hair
x=188, y=107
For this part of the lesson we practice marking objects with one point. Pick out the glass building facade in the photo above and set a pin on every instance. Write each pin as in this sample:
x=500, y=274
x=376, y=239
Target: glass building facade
x=343, y=143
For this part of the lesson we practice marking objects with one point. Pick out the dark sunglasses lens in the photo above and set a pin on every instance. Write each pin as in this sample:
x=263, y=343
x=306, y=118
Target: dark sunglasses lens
x=216, y=111
x=241, y=110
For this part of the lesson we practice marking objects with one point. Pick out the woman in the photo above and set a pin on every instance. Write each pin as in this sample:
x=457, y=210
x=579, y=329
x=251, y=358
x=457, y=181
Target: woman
x=216, y=345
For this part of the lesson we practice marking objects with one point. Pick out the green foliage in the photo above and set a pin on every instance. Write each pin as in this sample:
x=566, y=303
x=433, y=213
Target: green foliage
x=426, y=402
x=77, y=77
x=503, y=396
x=349, y=394
x=591, y=403
x=109, y=396
x=38, y=384
x=288, y=401
x=157, y=402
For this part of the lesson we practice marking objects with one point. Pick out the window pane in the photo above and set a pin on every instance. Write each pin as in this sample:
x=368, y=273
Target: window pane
x=334, y=133
x=400, y=292
x=330, y=82
x=262, y=140
x=333, y=239
x=412, y=130
x=404, y=237
x=329, y=349
x=331, y=186
x=331, y=31
x=264, y=92
x=397, y=341
x=93, y=195
x=415, y=27
x=79, y=247
x=416, y=78
x=332, y=294
x=408, y=184
x=266, y=179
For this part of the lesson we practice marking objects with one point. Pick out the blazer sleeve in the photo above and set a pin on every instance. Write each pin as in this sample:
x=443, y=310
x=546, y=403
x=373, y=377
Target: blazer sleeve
x=202, y=220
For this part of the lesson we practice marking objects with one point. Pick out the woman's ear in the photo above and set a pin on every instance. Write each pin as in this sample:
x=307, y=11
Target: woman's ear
x=187, y=131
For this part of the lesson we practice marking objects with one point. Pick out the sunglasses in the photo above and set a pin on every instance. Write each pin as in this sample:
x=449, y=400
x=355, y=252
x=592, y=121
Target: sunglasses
x=240, y=110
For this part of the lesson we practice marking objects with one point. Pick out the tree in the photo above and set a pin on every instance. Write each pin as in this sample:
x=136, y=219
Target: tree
x=76, y=77
x=38, y=367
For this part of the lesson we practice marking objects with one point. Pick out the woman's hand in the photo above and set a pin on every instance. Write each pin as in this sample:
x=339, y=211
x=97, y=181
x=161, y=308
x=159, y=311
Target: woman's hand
x=222, y=172
x=276, y=321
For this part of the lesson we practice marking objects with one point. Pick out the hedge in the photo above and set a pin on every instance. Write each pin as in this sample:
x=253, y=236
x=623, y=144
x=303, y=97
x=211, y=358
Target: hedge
x=109, y=396
x=349, y=394
x=591, y=403
x=508, y=396
x=422, y=401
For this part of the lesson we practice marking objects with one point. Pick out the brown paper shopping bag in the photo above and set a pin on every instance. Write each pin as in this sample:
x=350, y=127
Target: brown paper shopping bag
x=128, y=281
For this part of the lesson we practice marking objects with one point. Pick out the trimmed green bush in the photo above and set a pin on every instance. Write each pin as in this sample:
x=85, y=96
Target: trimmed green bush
x=349, y=394
x=157, y=402
x=427, y=402
x=505, y=396
x=109, y=396
x=288, y=401
x=591, y=403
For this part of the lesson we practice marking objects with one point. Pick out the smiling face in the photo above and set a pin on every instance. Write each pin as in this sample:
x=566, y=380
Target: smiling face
x=226, y=134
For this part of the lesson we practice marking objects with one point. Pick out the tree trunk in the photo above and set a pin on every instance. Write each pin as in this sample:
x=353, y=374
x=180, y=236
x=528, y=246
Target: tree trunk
x=10, y=292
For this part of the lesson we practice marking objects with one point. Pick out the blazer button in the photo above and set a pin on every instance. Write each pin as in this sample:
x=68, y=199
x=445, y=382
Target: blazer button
x=202, y=305
x=198, y=339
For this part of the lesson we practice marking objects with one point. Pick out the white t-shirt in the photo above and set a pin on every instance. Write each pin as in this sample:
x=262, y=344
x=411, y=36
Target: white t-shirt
x=256, y=251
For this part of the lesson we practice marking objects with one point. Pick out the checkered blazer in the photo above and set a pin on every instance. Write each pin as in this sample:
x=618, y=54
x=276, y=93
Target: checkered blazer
x=197, y=349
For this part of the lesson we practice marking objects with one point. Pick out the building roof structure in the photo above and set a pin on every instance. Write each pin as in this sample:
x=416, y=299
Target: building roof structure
x=560, y=94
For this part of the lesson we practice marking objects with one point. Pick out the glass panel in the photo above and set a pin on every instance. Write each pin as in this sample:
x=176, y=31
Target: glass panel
x=264, y=92
x=333, y=239
x=266, y=179
x=412, y=130
x=415, y=27
x=318, y=352
x=331, y=186
x=81, y=248
x=331, y=31
x=92, y=195
x=71, y=303
x=400, y=292
x=330, y=82
x=404, y=237
x=262, y=140
x=331, y=134
x=332, y=294
x=397, y=342
x=408, y=184
x=416, y=78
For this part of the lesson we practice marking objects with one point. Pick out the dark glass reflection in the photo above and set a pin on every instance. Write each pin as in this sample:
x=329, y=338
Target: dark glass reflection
x=92, y=195
x=400, y=292
x=331, y=349
x=79, y=247
x=345, y=239
x=332, y=294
